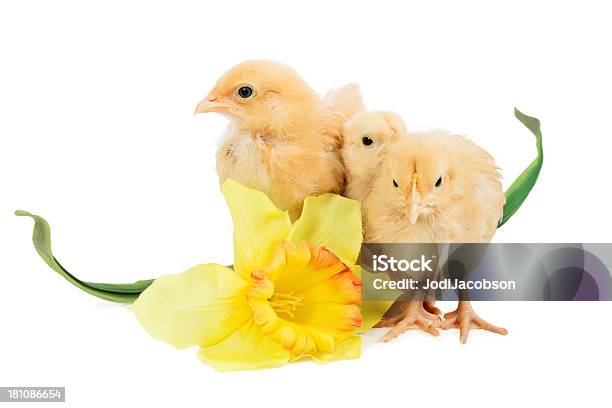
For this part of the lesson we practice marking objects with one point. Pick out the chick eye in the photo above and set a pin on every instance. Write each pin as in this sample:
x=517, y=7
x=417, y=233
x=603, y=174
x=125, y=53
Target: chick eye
x=395, y=184
x=367, y=141
x=245, y=91
x=439, y=182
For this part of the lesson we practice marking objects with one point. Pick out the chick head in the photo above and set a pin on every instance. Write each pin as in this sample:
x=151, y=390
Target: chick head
x=260, y=95
x=366, y=138
x=419, y=177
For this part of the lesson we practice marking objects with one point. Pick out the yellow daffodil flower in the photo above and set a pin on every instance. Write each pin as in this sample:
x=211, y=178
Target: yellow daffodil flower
x=292, y=293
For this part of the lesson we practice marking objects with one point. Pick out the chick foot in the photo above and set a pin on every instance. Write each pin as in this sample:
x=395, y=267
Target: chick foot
x=399, y=306
x=414, y=317
x=430, y=306
x=465, y=319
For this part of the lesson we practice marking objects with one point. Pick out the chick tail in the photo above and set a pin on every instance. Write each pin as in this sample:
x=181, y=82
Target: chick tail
x=346, y=100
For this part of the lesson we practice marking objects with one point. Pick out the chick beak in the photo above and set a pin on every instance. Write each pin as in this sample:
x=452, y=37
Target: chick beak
x=414, y=209
x=210, y=104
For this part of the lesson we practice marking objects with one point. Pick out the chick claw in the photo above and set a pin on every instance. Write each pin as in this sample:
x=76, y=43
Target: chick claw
x=414, y=317
x=430, y=306
x=465, y=319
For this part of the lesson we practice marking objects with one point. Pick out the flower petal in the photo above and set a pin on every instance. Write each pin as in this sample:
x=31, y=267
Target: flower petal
x=245, y=349
x=201, y=306
x=348, y=349
x=306, y=265
x=339, y=320
x=318, y=275
x=344, y=287
x=331, y=221
x=371, y=310
x=258, y=226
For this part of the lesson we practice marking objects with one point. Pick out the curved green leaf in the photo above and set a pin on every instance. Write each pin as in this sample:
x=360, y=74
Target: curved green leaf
x=520, y=189
x=122, y=293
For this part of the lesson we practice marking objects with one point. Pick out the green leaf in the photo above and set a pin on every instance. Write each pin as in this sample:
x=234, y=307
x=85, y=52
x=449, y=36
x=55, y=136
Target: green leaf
x=116, y=292
x=520, y=189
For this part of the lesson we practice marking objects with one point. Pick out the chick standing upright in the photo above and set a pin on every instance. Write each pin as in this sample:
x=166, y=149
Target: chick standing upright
x=435, y=188
x=283, y=139
x=368, y=137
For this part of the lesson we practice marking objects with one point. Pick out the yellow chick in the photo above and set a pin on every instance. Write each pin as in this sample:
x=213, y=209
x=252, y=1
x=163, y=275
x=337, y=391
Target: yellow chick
x=366, y=138
x=283, y=139
x=435, y=188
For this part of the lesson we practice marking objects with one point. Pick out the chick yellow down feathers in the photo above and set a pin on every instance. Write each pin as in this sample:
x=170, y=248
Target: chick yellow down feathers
x=283, y=139
x=435, y=187
x=367, y=137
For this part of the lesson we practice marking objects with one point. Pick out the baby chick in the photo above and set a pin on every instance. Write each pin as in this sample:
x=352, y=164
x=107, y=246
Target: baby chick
x=435, y=188
x=283, y=139
x=366, y=138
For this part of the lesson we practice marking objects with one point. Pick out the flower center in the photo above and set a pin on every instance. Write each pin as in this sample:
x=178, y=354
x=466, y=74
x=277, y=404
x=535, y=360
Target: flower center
x=285, y=303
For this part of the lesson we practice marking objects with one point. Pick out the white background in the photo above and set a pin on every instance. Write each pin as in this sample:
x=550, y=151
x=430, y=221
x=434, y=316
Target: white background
x=97, y=135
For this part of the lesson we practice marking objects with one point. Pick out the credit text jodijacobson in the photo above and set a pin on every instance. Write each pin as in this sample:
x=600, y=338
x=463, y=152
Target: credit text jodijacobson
x=384, y=263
